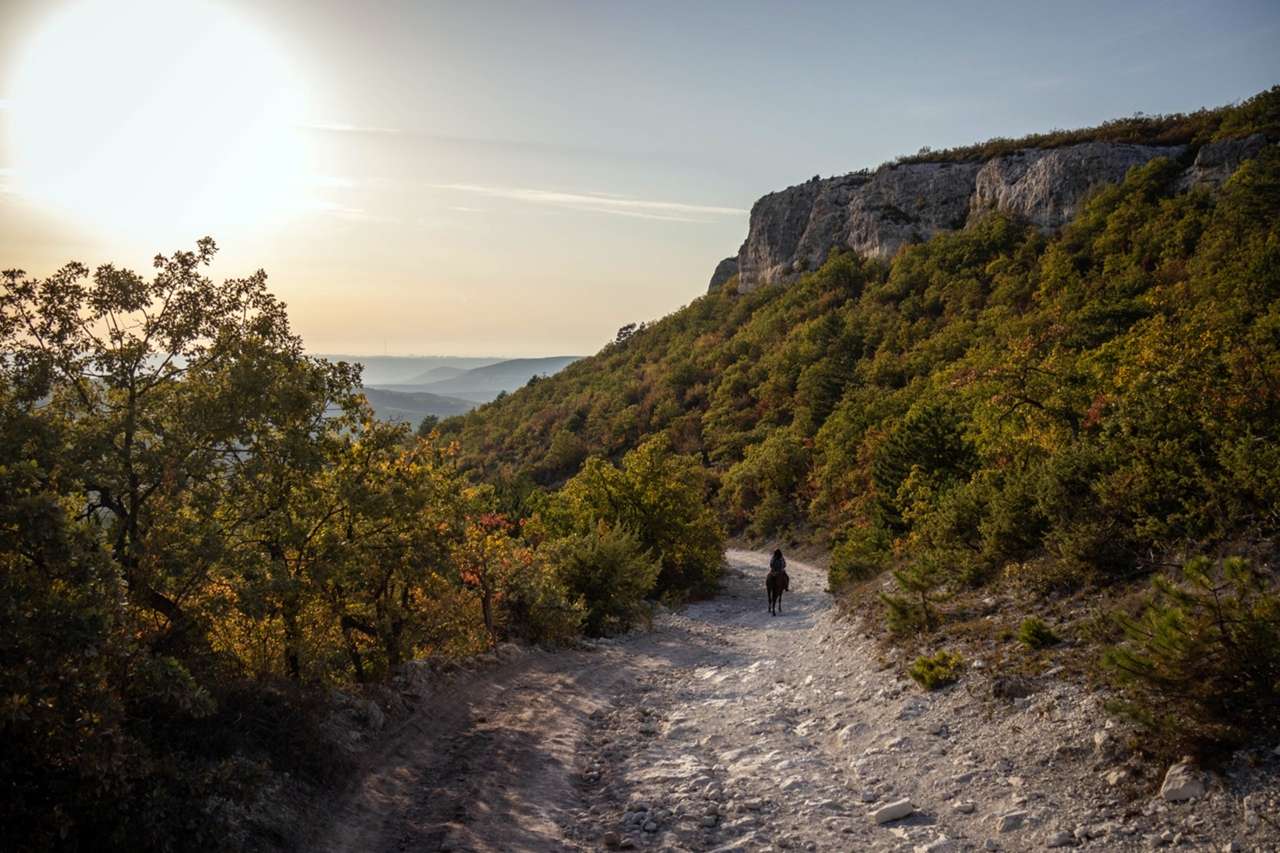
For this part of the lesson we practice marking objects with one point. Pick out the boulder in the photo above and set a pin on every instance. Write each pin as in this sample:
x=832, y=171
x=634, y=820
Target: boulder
x=1183, y=781
x=373, y=715
x=893, y=811
x=1011, y=687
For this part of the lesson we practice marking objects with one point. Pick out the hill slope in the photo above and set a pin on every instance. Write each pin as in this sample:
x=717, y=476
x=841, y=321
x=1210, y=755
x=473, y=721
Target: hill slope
x=412, y=407
x=503, y=376
x=995, y=411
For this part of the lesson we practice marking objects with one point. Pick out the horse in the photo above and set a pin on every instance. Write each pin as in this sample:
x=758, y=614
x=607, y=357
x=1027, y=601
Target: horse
x=776, y=583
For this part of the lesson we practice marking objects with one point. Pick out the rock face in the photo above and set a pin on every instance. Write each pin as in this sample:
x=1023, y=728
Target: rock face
x=725, y=270
x=1216, y=162
x=876, y=213
x=1047, y=187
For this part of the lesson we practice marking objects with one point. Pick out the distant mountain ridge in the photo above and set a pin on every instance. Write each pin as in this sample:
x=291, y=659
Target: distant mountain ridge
x=445, y=390
x=393, y=369
x=503, y=376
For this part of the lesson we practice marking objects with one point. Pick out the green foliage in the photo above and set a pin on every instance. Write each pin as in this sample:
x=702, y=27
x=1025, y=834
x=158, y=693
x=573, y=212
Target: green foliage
x=1259, y=114
x=196, y=510
x=921, y=581
x=760, y=491
x=609, y=570
x=936, y=671
x=1200, y=668
x=660, y=498
x=1035, y=634
x=862, y=554
x=1058, y=410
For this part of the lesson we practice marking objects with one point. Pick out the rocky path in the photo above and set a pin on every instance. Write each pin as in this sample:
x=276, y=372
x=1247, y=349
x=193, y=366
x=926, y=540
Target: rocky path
x=725, y=729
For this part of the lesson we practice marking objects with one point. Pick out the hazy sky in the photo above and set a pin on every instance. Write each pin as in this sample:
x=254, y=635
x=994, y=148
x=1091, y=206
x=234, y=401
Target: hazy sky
x=523, y=178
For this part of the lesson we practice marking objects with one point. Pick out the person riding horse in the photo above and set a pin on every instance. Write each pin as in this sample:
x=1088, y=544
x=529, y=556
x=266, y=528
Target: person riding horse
x=777, y=582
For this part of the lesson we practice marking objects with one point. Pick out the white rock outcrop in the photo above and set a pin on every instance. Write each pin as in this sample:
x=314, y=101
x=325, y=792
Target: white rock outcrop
x=875, y=213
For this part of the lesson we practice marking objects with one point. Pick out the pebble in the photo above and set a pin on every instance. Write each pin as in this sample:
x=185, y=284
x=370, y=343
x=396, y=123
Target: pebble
x=965, y=807
x=1010, y=821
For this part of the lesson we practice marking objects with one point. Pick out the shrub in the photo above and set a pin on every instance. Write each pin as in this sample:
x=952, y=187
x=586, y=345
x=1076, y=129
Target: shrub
x=862, y=555
x=540, y=608
x=662, y=498
x=611, y=574
x=1035, y=634
x=935, y=671
x=1200, y=668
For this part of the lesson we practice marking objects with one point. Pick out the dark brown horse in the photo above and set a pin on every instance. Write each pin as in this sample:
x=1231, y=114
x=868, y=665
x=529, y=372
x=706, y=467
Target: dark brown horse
x=776, y=582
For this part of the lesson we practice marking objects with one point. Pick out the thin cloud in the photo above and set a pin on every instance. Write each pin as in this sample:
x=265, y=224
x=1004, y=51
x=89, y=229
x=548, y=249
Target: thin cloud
x=342, y=211
x=615, y=205
x=338, y=127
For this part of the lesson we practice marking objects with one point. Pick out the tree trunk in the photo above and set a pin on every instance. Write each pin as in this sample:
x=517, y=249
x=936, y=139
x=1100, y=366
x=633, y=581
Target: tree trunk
x=292, y=638
x=486, y=606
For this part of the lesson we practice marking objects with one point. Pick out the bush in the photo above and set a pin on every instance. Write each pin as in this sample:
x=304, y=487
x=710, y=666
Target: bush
x=539, y=607
x=936, y=671
x=863, y=554
x=662, y=497
x=609, y=572
x=1035, y=634
x=1200, y=668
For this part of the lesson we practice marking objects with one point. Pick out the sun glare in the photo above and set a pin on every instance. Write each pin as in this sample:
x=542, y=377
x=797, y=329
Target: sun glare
x=161, y=116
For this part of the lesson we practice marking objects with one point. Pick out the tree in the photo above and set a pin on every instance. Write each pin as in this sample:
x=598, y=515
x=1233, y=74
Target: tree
x=661, y=498
x=610, y=571
x=158, y=385
x=427, y=425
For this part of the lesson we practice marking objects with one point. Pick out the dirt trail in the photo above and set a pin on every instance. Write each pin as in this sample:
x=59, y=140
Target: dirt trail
x=726, y=729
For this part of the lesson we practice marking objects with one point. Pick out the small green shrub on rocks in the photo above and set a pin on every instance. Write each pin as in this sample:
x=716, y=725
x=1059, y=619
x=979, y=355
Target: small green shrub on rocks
x=934, y=671
x=1034, y=634
x=1200, y=668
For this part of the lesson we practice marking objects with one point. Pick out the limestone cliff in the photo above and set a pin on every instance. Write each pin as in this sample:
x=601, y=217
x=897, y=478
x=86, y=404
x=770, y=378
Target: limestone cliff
x=876, y=213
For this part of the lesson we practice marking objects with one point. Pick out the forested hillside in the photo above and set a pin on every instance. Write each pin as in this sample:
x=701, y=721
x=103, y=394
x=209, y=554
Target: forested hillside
x=996, y=406
x=209, y=549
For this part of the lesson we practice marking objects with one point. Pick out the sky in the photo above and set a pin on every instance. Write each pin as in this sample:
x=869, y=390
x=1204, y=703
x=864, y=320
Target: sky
x=523, y=178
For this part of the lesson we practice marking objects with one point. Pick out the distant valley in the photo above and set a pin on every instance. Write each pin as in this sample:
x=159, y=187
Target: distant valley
x=409, y=388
